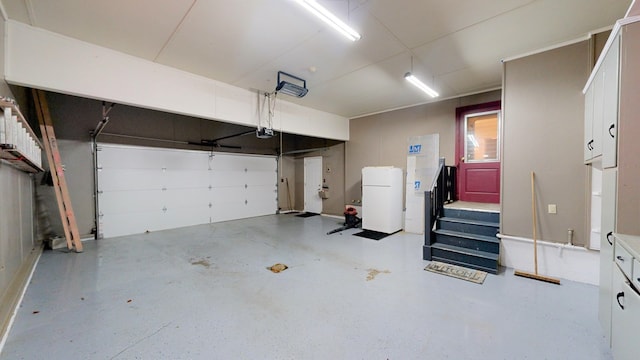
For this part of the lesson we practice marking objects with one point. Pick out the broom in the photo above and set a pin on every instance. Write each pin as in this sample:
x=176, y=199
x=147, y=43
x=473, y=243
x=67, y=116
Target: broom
x=535, y=243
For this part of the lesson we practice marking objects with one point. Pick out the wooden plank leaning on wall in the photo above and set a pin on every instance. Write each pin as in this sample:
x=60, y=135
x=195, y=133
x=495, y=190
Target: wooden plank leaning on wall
x=69, y=224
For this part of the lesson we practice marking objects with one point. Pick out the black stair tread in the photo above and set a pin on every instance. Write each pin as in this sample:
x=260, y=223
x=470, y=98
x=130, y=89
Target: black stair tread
x=467, y=265
x=493, y=239
x=467, y=221
x=461, y=250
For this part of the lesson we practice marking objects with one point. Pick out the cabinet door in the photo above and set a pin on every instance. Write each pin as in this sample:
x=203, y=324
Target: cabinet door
x=607, y=223
x=588, y=123
x=598, y=113
x=610, y=67
x=625, y=318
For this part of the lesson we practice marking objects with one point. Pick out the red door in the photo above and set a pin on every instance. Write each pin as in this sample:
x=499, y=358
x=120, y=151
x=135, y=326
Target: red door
x=478, y=152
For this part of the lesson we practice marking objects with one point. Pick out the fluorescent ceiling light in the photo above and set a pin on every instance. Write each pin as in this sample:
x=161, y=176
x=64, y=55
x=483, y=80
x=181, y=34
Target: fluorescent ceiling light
x=420, y=85
x=326, y=16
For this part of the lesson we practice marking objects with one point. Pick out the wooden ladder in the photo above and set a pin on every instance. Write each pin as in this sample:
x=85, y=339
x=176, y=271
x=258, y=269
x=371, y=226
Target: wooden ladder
x=57, y=172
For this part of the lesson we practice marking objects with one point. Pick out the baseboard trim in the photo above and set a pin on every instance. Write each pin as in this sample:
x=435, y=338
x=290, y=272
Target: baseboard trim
x=566, y=261
x=333, y=216
x=11, y=300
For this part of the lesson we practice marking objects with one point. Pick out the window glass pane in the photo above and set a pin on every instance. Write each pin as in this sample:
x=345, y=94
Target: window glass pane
x=481, y=134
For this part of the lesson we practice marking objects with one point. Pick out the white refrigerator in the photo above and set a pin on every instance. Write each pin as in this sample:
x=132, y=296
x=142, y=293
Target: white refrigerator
x=382, y=199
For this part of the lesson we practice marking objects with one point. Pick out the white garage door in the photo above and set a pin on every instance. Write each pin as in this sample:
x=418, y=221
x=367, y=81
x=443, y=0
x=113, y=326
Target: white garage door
x=142, y=189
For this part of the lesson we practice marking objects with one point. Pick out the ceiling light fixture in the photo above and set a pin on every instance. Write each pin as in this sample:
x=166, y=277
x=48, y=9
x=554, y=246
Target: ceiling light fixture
x=289, y=88
x=326, y=16
x=420, y=85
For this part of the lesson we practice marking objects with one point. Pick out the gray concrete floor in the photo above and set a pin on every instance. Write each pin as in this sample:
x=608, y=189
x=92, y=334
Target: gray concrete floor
x=204, y=293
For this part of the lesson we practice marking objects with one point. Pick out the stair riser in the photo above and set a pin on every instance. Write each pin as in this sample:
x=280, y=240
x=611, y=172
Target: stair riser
x=472, y=215
x=426, y=253
x=468, y=260
x=468, y=228
x=468, y=243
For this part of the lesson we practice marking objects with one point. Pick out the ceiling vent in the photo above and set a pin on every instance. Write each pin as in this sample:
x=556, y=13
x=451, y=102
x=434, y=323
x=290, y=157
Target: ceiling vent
x=289, y=88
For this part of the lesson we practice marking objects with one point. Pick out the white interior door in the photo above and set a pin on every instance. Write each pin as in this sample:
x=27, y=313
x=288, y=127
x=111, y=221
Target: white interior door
x=312, y=184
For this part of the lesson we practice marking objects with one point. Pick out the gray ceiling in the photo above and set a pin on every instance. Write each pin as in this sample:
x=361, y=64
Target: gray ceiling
x=456, y=45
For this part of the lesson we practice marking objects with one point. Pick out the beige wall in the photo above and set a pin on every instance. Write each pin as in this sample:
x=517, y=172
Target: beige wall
x=599, y=40
x=286, y=183
x=543, y=131
x=381, y=140
x=332, y=175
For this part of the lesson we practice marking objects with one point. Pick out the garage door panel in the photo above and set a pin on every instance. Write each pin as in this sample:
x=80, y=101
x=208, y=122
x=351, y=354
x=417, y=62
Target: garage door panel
x=260, y=164
x=226, y=178
x=129, y=157
x=176, y=217
x=261, y=193
x=183, y=198
x=114, y=202
x=223, y=162
x=175, y=179
x=185, y=160
x=231, y=210
x=228, y=194
x=262, y=200
x=133, y=223
x=261, y=178
x=129, y=179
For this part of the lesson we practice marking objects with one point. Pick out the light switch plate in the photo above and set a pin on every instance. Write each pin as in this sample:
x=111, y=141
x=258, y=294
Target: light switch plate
x=553, y=209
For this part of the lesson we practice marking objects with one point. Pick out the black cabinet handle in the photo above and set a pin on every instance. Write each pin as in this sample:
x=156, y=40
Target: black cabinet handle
x=608, y=239
x=611, y=128
x=620, y=258
x=590, y=145
x=620, y=295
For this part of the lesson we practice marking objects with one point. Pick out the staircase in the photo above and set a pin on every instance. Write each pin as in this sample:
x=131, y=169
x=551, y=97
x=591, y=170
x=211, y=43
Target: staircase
x=466, y=238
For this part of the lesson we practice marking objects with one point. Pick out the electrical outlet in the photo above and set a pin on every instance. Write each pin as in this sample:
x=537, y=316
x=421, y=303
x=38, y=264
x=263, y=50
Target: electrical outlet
x=553, y=209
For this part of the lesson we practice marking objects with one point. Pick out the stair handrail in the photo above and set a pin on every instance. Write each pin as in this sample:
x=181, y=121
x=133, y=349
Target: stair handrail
x=434, y=199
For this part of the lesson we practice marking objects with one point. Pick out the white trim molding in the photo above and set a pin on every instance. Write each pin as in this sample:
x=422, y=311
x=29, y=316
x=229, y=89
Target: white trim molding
x=566, y=261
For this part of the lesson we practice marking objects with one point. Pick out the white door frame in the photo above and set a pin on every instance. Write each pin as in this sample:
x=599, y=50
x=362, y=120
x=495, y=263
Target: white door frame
x=312, y=184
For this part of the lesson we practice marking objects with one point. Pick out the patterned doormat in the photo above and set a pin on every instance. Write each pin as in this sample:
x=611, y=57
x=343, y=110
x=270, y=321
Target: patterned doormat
x=457, y=272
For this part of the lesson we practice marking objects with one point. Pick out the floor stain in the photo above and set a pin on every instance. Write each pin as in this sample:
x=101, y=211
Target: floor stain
x=374, y=272
x=202, y=262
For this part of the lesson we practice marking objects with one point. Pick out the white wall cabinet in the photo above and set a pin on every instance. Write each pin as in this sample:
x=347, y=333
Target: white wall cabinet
x=625, y=299
x=611, y=110
x=610, y=68
x=609, y=178
x=601, y=108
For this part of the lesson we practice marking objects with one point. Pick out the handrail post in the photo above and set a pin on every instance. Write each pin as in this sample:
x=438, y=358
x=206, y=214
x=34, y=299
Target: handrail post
x=434, y=199
x=426, y=252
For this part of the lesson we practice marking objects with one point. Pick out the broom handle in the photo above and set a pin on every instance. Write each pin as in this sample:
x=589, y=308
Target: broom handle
x=533, y=214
